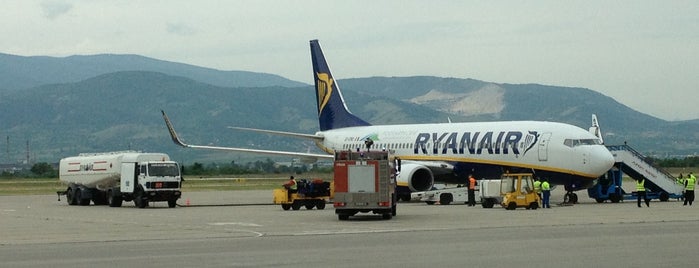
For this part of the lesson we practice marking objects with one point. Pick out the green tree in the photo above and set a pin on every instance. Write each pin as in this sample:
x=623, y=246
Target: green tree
x=43, y=169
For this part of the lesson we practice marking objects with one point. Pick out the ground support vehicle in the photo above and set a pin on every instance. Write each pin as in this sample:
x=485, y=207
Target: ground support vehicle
x=659, y=183
x=315, y=193
x=489, y=192
x=113, y=177
x=364, y=182
x=443, y=196
x=517, y=190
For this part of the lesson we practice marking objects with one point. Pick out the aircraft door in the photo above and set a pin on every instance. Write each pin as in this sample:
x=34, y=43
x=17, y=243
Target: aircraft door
x=544, y=146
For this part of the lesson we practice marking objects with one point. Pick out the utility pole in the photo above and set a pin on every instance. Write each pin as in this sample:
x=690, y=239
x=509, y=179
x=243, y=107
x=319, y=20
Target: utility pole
x=28, y=163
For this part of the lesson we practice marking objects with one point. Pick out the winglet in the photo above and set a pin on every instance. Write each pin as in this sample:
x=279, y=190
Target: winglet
x=173, y=134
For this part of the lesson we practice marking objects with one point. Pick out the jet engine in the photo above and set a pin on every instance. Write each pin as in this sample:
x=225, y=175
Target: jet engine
x=418, y=177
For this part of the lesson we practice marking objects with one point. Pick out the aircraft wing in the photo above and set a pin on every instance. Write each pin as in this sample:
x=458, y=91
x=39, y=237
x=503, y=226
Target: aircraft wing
x=307, y=156
x=282, y=133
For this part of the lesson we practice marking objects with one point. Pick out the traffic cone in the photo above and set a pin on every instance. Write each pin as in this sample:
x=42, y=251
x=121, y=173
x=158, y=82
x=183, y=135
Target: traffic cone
x=186, y=202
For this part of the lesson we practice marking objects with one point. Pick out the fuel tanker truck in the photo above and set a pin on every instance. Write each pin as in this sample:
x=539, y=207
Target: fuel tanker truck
x=114, y=177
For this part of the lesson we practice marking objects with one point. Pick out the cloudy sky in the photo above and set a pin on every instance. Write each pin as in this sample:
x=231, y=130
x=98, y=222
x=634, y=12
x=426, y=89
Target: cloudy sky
x=644, y=54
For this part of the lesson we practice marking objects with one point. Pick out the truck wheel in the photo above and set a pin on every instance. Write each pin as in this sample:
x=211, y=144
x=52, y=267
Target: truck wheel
x=114, y=201
x=343, y=217
x=320, y=204
x=79, y=198
x=138, y=199
x=70, y=197
x=393, y=210
x=445, y=199
x=534, y=205
x=487, y=203
x=286, y=206
x=599, y=200
x=386, y=216
x=511, y=206
x=296, y=205
x=172, y=203
x=664, y=197
x=309, y=205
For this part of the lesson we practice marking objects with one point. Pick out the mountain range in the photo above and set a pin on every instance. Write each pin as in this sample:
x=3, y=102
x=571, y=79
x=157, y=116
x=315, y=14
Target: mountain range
x=51, y=108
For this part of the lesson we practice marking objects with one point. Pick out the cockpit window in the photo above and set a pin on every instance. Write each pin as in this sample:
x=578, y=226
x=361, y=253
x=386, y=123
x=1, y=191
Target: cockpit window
x=578, y=142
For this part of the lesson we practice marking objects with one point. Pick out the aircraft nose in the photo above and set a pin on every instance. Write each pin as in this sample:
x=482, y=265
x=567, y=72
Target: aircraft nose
x=603, y=159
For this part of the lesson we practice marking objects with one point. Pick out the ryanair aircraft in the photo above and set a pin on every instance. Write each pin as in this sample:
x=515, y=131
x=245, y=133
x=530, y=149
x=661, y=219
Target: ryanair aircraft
x=447, y=152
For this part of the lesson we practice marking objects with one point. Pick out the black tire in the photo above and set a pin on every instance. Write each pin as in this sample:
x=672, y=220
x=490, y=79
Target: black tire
x=172, y=203
x=599, y=200
x=430, y=202
x=113, y=200
x=320, y=204
x=512, y=206
x=70, y=197
x=343, y=217
x=296, y=205
x=568, y=198
x=615, y=198
x=488, y=203
x=445, y=199
x=79, y=198
x=534, y=205
x=138, y=199
x=286, y=206
x=394, y=211
x=386, y=216
x=664, y=197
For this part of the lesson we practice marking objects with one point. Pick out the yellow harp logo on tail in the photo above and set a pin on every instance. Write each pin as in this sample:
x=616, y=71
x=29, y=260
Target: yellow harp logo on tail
x=324, y=88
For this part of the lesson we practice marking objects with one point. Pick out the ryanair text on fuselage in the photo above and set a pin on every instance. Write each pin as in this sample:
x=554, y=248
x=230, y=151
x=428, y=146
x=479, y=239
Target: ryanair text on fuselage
x=490, y=142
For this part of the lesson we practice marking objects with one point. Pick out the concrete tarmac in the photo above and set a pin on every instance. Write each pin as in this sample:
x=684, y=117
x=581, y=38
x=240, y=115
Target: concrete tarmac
x=243, y=229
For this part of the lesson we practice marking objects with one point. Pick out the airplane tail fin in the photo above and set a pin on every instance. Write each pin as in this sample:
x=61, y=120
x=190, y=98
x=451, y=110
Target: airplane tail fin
x=595, y=129
x=332, y=110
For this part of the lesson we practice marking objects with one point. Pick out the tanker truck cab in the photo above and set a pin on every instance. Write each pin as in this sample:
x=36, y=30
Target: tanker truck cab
x=111, y=178
x=148, y=181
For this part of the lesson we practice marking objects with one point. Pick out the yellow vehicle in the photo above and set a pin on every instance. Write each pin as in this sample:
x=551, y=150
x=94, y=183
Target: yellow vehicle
x=315, y=193
x=517, y=190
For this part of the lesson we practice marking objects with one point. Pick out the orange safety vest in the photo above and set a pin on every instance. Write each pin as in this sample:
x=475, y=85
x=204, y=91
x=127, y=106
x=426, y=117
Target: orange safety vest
x=471, y=183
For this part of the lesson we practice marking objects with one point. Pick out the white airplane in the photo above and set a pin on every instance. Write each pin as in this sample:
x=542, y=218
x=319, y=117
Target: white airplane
x=447, y=152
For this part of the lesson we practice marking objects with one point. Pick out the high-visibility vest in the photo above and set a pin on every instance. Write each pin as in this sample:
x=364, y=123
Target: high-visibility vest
x=471, y=183
x=537, y=186
x=680, y=180
x=294, y=186
x=691, y=181
x=545, y=186
x=640, y=185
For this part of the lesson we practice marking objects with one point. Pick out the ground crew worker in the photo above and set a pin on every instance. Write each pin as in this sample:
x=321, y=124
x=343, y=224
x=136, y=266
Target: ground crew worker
x=546, y=190
x=641, y=192
x=291, y=186
x=471, y=191
x=689, y=183
x=680, y=181
x=537, y=187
